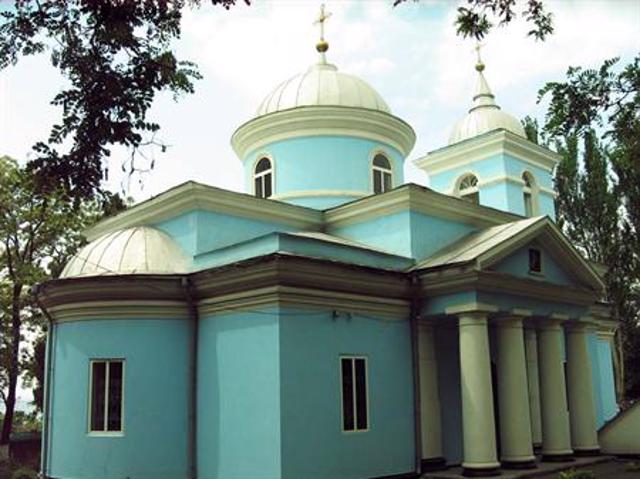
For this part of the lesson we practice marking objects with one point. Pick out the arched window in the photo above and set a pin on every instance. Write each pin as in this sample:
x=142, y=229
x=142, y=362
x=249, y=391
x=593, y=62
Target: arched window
x=382, y=179
x=528, y=192
x=263, y=178
x=468, y=188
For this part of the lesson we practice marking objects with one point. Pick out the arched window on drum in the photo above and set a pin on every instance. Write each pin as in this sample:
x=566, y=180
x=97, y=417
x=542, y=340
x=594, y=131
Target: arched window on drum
x=263, y=178
x=382, y=174
x=468, y=188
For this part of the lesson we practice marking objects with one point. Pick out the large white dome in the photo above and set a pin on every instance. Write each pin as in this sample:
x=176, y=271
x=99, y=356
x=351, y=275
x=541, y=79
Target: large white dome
x=139, y=250
x=484, y=116
x=322, y=85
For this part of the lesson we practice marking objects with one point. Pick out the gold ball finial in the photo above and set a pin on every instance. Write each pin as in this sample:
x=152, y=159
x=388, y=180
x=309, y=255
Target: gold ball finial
x=322, y=46
x=479, y=64
x=479, y=67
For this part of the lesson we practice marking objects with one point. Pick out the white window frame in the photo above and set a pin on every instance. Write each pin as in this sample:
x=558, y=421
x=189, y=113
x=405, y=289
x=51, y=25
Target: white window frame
x=463, y=193
x=106, y=432
x=530, y=190
x=355, y=429
x=531, y=271
x=381, y=171
x=262, y=174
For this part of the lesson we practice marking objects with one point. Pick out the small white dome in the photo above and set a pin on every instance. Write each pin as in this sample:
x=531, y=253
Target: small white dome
x=322, y=85
x=484, y=116
x=139, y=250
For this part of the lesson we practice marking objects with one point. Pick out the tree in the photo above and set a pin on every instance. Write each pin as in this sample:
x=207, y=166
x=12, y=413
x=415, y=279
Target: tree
x=116, y=57
x=38, y=233
x=479, y=17
x=599, y=199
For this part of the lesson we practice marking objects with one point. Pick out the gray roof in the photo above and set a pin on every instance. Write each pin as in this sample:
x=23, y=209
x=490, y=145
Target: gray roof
x=470, y=247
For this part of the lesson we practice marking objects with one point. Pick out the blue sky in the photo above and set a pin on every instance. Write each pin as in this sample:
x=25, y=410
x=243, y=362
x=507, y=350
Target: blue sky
x=410, y=54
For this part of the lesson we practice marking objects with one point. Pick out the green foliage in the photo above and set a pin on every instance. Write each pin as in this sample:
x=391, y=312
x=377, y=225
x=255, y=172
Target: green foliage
x=39, y=231
x=576, y=474
x=594, y=120
x=478, y=18
x=116, y=57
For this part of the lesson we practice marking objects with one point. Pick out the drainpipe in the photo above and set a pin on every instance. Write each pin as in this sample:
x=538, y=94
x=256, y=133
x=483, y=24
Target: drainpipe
x=187, y=289
x=416, y=306
x=48, y=382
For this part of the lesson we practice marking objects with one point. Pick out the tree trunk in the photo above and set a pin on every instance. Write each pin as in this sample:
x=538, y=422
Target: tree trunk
x=14, y=359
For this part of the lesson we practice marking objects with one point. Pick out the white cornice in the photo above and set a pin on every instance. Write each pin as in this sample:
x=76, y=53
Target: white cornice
x=315, y=193
x=485, y=146
x=323, y=121
x=193, y=196
x=420, y=199
x=116, y=309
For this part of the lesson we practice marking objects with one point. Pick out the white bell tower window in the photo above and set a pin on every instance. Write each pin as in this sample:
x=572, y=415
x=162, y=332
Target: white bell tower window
x=263, y=178
x=468, y=188
x=382, y=174
x=528, y=194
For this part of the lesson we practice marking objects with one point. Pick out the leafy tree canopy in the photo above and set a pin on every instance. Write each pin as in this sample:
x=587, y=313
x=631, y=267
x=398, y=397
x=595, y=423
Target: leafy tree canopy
x=480, y=16
x=116, y=56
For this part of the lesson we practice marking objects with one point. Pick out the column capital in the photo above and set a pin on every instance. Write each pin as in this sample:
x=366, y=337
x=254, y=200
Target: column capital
x=580, y=327
x=508, y=321
x=468, y=308
x=553, y=321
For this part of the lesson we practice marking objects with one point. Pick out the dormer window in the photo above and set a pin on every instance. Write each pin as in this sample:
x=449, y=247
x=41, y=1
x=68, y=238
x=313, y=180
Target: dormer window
x=468, y=189
x=263, y=178
x=382, y=175
x=528, y=192
x=535, y=261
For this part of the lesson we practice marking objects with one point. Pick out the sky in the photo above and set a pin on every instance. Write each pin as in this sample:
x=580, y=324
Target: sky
x=409, y=54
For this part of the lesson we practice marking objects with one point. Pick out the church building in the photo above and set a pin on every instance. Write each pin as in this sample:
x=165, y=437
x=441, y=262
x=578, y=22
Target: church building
x=333, y=322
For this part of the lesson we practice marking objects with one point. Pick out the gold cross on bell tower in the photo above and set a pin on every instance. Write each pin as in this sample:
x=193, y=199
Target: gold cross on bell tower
x=479, y=64
x=322, y=46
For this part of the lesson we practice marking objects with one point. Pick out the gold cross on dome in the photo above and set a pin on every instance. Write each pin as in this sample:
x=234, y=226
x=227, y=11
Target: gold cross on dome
x=322, y=17
x=477, y=48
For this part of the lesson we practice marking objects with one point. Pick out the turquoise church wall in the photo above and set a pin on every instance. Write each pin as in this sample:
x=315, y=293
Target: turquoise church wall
x=517, y=264
x=407, y=233
x=503, y=195
x=448, y=360
x=313, y=444
x=322, y=163
x=592, y=343
x=239, y=403
x=200, y=231
x=154, y=443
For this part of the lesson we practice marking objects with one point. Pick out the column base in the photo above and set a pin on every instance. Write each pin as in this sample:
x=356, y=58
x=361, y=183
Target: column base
x=537, y=448
x=568, y=457
x=433, y=464
x=527, y=464
x=587, y=452
x=492, y=470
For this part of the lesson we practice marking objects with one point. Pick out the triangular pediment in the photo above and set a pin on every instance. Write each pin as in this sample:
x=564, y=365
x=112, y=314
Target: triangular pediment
x=489, y=248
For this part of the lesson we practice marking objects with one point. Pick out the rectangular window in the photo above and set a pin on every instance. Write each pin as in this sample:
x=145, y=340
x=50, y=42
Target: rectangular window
x=528, y=205
x=535, y=261
x=106, y=397
x=355, y=408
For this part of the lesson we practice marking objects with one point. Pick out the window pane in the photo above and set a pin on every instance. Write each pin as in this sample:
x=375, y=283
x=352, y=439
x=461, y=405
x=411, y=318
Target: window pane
x=387, y=181
x=114, y=415
x=528, y=210
x=258, y=187
x=361, y=393
x=98, y=376
x=535, y=260
x=263, y=165
x=267, y=185
x=377, y=182
x=381, y=161
x=347, y=395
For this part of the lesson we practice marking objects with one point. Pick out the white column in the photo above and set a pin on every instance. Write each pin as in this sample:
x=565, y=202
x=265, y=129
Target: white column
x=582, y=410
x=513, y=396
x=531, y=350
x=478, y=422
x=556, y=436
x=429, y=400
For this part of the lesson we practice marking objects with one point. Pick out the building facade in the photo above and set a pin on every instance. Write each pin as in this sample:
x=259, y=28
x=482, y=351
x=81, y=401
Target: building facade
x=333, y=322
